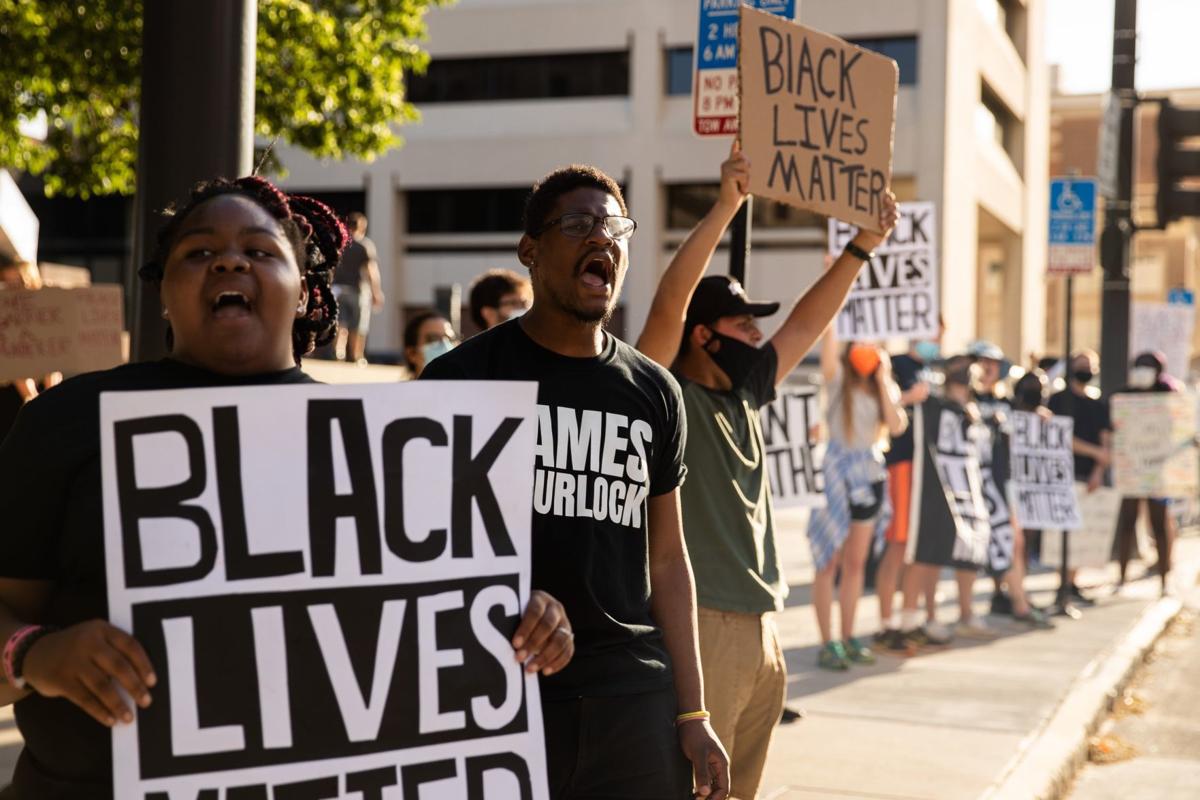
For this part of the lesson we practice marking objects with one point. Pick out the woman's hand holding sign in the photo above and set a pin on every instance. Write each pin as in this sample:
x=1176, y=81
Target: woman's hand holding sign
x=544, y=641
x=888, y=216
x=85, y=664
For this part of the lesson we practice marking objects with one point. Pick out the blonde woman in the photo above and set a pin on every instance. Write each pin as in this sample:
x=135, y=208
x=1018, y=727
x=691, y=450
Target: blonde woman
x=862, y=410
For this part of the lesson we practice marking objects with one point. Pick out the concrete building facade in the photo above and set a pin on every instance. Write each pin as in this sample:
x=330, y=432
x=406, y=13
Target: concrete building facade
x=519, y=87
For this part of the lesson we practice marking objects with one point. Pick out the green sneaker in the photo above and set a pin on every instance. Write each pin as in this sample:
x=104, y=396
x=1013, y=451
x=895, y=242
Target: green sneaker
x=858, y=652
x=833, y=656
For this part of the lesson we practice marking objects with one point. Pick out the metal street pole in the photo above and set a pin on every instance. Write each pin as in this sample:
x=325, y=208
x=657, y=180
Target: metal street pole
x=1117, y=237
x=196, y=122
x=739, y=241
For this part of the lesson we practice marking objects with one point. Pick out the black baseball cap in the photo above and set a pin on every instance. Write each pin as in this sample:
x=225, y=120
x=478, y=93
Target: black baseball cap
x=721, y=296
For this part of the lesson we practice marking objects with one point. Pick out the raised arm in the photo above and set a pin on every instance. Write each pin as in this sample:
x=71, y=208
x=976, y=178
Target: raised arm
x=829, y=354
x=817, y=307
x=663, y=333
x=889, y=394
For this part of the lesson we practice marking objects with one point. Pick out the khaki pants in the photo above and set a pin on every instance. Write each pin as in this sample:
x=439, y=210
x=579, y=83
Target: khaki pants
x=745, y=685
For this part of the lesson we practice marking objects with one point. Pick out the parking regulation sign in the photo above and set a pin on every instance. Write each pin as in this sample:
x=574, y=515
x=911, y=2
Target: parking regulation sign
x=715, y=82
x=1072, y=226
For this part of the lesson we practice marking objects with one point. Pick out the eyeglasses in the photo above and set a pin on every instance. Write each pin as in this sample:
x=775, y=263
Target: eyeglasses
x=577, y=226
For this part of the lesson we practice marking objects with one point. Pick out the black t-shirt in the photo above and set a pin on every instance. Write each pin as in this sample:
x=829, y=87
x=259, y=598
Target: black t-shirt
x=993, y=409
x=53, y=530
x=350, y=269
x=908, y=372
x=1091, y=418
x=610, y=435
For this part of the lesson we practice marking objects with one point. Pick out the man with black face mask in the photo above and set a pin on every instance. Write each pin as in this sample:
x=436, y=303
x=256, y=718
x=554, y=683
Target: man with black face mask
x=706, y=331
x=1093, y=438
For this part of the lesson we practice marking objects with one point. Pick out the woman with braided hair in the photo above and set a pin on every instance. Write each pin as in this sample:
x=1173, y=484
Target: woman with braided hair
x=243, y=271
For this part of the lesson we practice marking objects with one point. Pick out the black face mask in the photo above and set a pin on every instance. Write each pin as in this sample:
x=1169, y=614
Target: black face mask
x=1029, y=399
x=735, y=358
x=1083, y=375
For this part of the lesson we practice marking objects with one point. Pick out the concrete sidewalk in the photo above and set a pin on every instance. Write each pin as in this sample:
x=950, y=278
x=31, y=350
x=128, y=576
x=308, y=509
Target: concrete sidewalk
x=998, y=719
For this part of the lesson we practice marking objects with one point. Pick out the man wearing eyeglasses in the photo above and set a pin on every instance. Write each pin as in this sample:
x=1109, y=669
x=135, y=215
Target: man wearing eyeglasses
x=707, y=331
x=625, y=719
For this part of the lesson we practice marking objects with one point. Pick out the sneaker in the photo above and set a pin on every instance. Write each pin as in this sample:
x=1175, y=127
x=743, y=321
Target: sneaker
x=1036, y=619
x=1001, y=605
x=975, y=628
x=939, y=633
x=897, y=642
x=922, y=637
x=833, y=656
x=858, y=652
x=882, y=636
x=1078, y=598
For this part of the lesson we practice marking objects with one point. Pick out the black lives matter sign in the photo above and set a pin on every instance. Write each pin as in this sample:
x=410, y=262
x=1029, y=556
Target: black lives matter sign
x=793, y=449
x=1043, y=472
x=326, y=579
x=896, y=294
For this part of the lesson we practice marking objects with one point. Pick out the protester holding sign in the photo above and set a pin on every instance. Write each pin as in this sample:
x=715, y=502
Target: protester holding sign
x=706, y=330
x=243, y=273
x=1147, y=374
x=862, y=411
x=627, y=717
x=1092, y=440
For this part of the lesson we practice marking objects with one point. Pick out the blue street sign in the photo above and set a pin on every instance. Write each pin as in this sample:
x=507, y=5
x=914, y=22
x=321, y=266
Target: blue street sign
x=1181, y=297
x=1073, y=211
x=714, y=84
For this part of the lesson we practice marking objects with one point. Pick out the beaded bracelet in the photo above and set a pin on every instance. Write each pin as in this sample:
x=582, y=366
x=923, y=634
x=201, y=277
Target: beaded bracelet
x=692, y=715
x=15, y=649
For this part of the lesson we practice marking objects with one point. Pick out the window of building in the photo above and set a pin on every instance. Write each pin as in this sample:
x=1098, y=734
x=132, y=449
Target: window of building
x=687, y=203
x=343, y=203
x=525, y=77
x=678, y=70
x=902, y=49
x=994, y=122
x=487, y=210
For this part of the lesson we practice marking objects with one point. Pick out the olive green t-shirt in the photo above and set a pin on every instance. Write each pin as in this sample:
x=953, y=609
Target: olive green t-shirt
x=727, y=516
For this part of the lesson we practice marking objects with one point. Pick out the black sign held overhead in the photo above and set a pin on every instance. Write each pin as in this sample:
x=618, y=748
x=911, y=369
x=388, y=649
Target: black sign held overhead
x=326, y=580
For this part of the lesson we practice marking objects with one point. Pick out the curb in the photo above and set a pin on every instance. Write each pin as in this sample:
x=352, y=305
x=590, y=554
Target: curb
x=1048, y=758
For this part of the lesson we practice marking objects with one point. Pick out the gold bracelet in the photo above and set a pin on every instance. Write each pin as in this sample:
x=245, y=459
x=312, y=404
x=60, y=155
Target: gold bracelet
x=692, y=715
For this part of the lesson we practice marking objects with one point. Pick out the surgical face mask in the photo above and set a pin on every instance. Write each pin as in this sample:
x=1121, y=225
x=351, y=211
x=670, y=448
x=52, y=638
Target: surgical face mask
x=927, y=351
x=516, y=312
x=735, y=358
x=1142, y=377
x=435, y=349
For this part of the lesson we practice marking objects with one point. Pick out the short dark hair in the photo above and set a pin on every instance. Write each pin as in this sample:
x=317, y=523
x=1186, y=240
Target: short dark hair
x=316, y=234
x=565, y=179
x=354, y=219
x=489, y=288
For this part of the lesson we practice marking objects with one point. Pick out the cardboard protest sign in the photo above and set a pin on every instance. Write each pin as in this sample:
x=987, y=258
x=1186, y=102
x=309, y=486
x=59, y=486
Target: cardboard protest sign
x=326, y=579
x=1043, y=472
x=59, y=330
x=1154, y=450
x=952, y=525
x=896, y=294
x=817, y=117
x=1091, y=544
x=1166, y=327
x=793, y=450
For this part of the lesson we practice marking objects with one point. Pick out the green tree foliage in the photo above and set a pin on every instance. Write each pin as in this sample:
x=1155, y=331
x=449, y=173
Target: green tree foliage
x=329, y=79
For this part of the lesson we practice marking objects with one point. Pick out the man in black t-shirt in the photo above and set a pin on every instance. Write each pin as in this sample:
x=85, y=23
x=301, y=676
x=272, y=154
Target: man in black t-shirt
x=625, y=717
x=357, y=287
x=1093, y=438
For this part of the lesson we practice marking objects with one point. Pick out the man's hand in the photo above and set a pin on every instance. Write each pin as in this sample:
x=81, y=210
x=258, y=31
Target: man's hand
x=735, y=177
x=85, y=664
x=917, y=394
x=1095, y=479
x=888, y=215
x=710, y=764
x=544, y=640
x=377, y=300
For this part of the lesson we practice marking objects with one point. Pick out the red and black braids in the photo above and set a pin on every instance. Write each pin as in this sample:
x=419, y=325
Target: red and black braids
x=317, y=236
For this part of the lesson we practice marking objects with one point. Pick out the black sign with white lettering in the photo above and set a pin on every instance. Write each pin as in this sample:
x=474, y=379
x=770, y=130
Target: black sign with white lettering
x=954, y=524
x=896, y=294
x=326, y=580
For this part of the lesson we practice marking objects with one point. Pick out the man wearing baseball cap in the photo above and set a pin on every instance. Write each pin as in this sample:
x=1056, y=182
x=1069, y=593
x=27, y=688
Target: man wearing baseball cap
x=706, y=330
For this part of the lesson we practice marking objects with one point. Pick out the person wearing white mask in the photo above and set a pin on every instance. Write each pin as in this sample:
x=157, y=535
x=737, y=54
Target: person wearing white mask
x=427, y=335
x=1147, y=374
